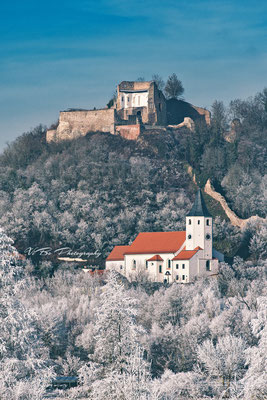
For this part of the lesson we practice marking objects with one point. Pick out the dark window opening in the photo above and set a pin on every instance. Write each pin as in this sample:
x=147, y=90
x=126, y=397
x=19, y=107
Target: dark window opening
x=189, y=222
x=207, y=222
x=177, y=266
x=183, y=266
x=183, y=277
x=198, y=222
x=208, y=265
x=177, y=277
x=189, y=236
x=160, y=269
x=169, y=263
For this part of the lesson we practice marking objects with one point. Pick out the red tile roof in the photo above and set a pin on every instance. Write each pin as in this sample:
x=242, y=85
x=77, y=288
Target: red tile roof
x=185, y=255
x=156, y=258
x=157, y=242
x=117, y=253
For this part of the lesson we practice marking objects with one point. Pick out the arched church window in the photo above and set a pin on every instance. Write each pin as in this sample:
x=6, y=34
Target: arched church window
x=207, y=222
x=134, y=263
x=169, y=264
x=160, y=269
x=189, y=222
x=198, y=222
x=208, y=265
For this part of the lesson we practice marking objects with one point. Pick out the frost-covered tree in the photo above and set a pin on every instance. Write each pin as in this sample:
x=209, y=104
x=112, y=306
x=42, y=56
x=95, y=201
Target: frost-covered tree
x=255, y=380
x=24, y=371
x=224, y=361
x=115, y=342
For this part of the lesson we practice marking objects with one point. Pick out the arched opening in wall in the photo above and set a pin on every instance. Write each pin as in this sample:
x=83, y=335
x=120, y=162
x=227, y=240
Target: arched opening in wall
x=189, y=222
x=208, y=265
x=207, y=222
x=139, y=117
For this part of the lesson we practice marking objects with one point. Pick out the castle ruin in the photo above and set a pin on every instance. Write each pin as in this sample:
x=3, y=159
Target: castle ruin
x=138, y=105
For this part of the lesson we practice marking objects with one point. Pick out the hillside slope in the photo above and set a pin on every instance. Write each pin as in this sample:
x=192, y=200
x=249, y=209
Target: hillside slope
x=101, y=190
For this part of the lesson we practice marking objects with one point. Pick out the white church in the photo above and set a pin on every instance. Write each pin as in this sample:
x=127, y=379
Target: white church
x=171, y=256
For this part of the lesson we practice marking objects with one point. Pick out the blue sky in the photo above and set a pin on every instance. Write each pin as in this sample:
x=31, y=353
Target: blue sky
x=60, y=54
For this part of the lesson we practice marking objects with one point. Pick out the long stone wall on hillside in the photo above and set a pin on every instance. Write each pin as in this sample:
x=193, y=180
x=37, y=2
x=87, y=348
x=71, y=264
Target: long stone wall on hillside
x=73, y=124
x=235, y=220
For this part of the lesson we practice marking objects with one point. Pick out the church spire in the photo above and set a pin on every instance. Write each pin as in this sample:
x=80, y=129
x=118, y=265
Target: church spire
x=199, y=208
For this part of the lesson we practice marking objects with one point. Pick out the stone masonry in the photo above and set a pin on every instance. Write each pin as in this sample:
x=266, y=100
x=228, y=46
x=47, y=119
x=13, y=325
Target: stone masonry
x=138, y=104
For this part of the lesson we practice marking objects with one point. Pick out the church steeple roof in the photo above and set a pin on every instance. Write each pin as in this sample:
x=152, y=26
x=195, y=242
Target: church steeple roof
x=199, y=208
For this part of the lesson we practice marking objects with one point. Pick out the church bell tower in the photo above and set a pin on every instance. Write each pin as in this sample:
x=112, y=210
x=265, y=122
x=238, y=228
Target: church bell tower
x=199, y=227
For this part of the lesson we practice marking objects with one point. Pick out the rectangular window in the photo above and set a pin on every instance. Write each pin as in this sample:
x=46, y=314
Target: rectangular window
x=208, y=222
x=177, y=277
x=146, y=264
x=198, y=222
x=177, y=266
x=134, y=264
x=122, y=98
x=183, y=266
x=128, y=99
x=183, y=277
x=169, y=263
x=160, y=269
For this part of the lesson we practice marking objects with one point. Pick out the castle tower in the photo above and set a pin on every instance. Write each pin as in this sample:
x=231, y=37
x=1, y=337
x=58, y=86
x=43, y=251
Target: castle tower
x=199, y=227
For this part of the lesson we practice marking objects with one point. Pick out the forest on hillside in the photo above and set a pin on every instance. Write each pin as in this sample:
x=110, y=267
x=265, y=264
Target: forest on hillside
x=133, y=340
x=102, y=190
x=129, y=341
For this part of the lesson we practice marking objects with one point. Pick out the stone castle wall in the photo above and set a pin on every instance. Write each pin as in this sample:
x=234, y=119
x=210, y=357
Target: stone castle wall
x=130, y=132
x=73, y=124
x=205, y=113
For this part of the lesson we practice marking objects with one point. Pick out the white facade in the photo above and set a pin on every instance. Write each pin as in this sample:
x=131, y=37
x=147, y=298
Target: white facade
x=193, y=256
x=118, y=266
x=199, y=233
x=138, y=99
x=155, y=270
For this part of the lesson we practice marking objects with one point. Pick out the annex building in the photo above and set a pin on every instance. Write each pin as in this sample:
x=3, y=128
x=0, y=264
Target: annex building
x=171, y=256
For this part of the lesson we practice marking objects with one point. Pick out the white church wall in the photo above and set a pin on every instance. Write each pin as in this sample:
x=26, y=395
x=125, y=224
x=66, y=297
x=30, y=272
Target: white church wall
x=152, y=270
x=199, y=233
x=203, y=266
x=116, y=266
x=182, y=271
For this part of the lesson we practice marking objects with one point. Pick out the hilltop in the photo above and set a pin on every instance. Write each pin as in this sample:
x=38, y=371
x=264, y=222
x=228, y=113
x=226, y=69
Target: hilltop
x=101, y=190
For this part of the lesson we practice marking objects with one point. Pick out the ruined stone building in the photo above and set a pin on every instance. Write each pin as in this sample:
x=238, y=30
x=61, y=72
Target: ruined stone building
x=138, y=106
